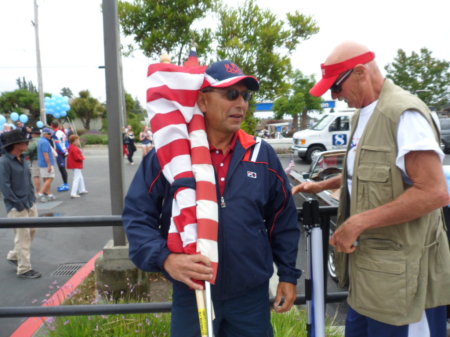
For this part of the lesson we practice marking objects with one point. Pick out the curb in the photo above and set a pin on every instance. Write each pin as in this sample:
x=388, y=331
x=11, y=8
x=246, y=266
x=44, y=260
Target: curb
x=31, y=325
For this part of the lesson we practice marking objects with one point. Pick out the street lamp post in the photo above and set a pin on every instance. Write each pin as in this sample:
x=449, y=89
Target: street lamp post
x=38, y=65
x=115, y=106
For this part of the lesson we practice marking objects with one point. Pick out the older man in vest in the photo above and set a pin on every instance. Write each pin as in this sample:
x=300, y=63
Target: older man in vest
x=393, y=251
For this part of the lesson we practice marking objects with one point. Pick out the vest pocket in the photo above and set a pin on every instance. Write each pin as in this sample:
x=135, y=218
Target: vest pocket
x=375, y=185
x=379, y=282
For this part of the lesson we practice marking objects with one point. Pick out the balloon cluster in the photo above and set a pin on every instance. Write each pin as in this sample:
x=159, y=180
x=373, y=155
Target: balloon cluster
x=16, y=117
x=57, y=105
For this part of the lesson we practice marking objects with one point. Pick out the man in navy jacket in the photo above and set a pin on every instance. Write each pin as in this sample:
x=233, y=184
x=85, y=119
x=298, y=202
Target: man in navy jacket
x=257, y=220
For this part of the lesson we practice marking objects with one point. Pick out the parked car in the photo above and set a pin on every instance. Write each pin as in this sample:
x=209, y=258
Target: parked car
x=445, y=134
x=324, y=165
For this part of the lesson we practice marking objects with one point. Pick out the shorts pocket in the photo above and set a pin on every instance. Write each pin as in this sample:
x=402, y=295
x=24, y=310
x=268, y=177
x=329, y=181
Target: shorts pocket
x=380, y=283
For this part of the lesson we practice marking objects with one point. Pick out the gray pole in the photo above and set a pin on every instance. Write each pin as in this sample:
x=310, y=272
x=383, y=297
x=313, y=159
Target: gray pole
x=114, y=105
x=38, y=65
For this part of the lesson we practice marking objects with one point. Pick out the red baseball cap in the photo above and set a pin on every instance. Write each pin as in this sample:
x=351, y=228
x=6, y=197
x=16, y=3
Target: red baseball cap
x=330, y=72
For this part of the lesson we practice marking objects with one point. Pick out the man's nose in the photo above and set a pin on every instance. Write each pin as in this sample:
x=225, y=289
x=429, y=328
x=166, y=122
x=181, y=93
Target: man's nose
x=334, y=95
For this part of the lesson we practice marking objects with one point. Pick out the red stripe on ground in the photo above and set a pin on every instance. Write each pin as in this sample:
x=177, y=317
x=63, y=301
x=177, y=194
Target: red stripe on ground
x=33, y=324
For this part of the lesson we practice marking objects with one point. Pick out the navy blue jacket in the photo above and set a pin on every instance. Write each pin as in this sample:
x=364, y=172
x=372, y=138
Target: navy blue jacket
x=257, y=219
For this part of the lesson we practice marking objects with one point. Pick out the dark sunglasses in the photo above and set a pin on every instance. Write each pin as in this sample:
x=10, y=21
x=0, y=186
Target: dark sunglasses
x=336, y=88
x=232, y=94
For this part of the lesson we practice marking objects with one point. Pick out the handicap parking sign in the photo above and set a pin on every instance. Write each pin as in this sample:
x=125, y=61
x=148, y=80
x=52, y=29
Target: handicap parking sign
x=339, y=139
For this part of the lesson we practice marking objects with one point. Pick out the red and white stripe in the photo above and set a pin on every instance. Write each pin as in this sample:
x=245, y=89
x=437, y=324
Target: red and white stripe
x=182, y=148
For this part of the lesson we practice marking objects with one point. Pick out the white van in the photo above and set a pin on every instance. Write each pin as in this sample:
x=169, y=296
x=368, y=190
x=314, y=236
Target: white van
x=332, y=131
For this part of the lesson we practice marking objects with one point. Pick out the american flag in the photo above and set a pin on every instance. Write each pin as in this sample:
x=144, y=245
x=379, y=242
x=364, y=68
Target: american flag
x=182, y=148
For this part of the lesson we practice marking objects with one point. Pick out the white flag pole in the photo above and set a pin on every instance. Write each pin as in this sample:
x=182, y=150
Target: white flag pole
x=209, y=309
x=318, y=283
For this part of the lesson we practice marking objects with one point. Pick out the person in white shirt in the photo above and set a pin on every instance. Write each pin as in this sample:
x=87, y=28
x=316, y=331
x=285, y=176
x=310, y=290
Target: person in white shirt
x=352, y=75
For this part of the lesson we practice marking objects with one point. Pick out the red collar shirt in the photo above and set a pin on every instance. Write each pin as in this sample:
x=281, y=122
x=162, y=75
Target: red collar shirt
x=221, y=162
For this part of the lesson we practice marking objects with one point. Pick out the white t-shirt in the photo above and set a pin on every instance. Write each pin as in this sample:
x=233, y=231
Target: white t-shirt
x=414, y=134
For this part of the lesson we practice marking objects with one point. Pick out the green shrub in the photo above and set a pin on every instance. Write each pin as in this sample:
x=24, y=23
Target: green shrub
x=92, y=138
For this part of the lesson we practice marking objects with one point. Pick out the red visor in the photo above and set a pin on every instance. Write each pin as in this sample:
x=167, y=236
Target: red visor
x=330, y=72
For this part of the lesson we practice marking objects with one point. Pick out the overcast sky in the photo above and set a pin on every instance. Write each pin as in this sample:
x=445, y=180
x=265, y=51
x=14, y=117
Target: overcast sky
x=71, y=38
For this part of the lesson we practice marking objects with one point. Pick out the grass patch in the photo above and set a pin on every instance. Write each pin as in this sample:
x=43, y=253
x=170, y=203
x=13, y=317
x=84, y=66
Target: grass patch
x=291, y=324
x=93, y=138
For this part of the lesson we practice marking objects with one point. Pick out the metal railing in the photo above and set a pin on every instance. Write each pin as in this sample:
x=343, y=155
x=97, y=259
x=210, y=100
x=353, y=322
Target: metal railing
x=108, y=309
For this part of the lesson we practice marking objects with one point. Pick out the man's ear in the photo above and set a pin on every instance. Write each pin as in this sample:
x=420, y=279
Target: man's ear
x=201, y=101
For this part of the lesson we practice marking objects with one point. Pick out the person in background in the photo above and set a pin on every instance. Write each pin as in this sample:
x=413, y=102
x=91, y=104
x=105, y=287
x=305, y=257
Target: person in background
x=19, y=199
x=391, y=243
x=59, y=141
x=46, y=161
x=131, y=146
x=146, y=138
x=75, y=162
x=125, y=142
x=25, y=129
x=257, y=226
x=32, y=155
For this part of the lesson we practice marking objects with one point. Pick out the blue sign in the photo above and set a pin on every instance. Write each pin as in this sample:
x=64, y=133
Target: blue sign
x=264, y=106
x=340, y=139
x=328, y=104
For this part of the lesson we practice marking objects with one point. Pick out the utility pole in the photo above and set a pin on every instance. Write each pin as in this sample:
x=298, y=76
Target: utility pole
x=115, y=105
x=38, y=65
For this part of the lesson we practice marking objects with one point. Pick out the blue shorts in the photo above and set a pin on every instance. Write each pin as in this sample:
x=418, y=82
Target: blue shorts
x=435, y=321
x=243, y=316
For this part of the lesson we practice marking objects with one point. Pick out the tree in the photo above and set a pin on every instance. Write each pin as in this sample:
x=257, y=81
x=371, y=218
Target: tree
x=134, y=113
x=261, y=44
x=23, y=84
x=87, y=108
x=66, y=92
x=166, y=26
x=298, y=100
x=20, y=100
x=423, y=75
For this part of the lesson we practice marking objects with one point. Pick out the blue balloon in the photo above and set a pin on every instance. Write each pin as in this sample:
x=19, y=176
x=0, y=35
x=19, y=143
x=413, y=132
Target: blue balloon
x=2, y=120
x=40, y=124
x=56, y=115
x=63, y=113
x=14, y=116
x=23, y=118
x=2, y=126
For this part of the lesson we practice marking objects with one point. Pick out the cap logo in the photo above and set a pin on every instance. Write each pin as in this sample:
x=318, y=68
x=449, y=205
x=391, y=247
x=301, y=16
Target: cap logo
x=232, y=68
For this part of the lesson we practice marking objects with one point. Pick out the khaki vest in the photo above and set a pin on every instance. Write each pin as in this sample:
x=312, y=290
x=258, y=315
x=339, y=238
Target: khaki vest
x=397, y=271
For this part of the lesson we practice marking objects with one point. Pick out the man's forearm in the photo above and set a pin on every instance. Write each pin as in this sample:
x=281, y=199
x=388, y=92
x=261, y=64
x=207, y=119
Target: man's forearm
x=331, y=184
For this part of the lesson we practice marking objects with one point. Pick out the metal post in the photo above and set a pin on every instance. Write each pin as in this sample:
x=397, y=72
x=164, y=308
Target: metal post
x=307, y=225
x=38, y=65
x=114, y=105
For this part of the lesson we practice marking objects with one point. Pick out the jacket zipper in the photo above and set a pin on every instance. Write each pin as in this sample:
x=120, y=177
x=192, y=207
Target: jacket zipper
x=222, y=202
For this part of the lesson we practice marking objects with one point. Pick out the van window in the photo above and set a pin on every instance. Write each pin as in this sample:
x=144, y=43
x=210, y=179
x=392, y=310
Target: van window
x=340, y=124
x=322, y=123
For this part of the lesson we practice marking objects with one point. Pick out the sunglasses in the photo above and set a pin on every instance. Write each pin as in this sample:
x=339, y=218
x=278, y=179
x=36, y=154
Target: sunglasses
x=232, y=94
x=336, y=88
